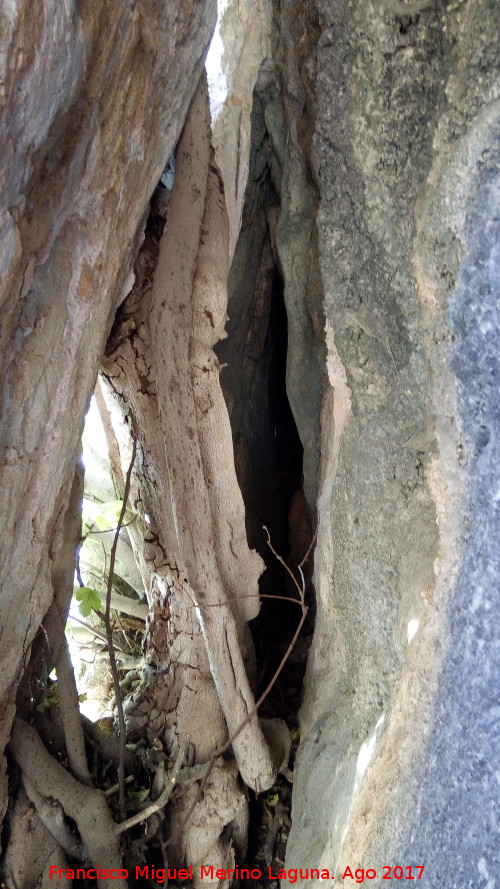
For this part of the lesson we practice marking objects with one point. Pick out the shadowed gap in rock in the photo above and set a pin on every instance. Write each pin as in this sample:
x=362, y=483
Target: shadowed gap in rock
x=268, y=457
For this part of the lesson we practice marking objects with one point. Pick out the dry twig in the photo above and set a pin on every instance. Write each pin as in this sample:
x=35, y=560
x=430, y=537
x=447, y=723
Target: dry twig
x=301, y=589
x=109, y=632
x=164, y=797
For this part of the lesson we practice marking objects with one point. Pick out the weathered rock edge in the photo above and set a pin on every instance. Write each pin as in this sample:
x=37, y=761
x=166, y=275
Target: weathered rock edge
x=406, y=152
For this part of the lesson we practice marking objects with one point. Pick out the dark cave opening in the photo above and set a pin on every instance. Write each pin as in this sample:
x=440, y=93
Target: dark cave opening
x=281, y=504
x=269, y=465
x=268, y=458
x=268, y=452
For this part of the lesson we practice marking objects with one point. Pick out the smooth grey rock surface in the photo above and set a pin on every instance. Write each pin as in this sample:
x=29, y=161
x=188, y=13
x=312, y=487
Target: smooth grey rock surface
x=398, y=762
x=454, y=821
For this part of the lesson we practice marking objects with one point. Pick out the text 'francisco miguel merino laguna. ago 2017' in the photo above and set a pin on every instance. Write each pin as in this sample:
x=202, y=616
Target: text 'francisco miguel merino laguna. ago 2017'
x=208, y=872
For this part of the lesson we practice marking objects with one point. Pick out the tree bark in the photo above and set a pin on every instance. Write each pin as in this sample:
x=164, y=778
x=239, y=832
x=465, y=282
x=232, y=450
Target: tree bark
x=87, y=807
x=93, y=100
x=201, y=577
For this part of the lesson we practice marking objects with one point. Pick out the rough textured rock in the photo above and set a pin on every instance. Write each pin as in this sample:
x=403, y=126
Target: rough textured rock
x=381, y=124
x=406, y=157
x=290, y=120
x=93, y=99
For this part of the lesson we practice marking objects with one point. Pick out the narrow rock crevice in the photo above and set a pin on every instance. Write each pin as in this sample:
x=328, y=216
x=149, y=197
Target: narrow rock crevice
x=267, y=447
x=269, y=456
x=361, y=379
x=269, y=468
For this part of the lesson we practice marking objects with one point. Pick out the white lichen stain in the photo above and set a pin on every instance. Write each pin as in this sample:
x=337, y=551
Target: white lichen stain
x=366, y=752
x=483, y=870
x=412, y=628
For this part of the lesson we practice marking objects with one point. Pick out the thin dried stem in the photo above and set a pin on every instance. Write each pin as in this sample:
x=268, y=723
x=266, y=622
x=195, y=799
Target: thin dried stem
x=251, y=596
x=94, y=631
x=309, y=548
x=114, y=787
x=301, y=589
x=164, y=797
x=109, y=632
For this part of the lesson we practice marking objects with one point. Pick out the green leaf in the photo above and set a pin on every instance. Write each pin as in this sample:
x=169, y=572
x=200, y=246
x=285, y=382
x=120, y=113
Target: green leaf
x=104, y=516
x=89, y=600
x=50, y=699
x=109, y=515
x=139, y=795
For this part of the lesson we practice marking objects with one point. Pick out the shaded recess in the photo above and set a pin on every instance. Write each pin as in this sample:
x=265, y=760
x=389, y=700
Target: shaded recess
x=268, y=456
x=267, y=448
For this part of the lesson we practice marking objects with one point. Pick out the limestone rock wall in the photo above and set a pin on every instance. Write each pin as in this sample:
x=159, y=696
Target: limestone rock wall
x=397, y=753
x=93, y=98
x=383, y=120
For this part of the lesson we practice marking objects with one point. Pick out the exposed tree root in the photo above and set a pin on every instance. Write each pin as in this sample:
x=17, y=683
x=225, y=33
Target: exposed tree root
x=108, y=745
x=68, y=697
x=31, y=848
x=164, y=797
x=190, y=533
x=86, y=806
x=51, y=814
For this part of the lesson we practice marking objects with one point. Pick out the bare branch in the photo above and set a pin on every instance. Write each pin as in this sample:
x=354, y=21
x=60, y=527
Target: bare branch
x=309, y=548
x=108, y=745
x=129, y=606
x=114, y=787
x=301, y=589
x=164, y=797
x=109, y=632
x=112, y=444
x=251, y=596
x=95, y=632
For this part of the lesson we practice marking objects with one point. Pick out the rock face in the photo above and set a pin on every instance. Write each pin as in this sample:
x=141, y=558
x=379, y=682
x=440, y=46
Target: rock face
x=373, y=217
x=402, y=666
x=93, y=100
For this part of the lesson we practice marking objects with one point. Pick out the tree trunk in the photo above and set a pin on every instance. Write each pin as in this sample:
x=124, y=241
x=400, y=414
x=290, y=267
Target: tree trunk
x=161, y=387
x=202, y=580
x=93, y=101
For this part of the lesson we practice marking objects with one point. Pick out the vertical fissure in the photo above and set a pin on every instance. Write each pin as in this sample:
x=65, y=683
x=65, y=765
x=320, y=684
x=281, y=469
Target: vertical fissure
x=195, y=653
x=269, y=461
